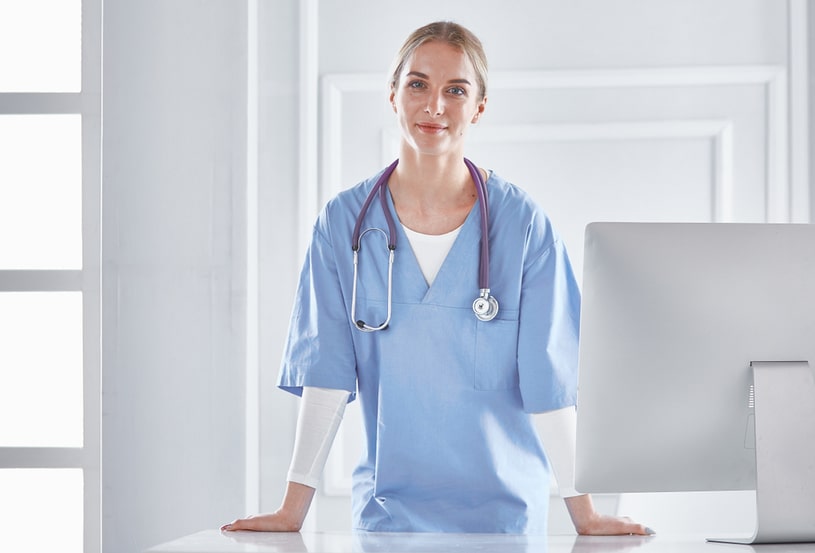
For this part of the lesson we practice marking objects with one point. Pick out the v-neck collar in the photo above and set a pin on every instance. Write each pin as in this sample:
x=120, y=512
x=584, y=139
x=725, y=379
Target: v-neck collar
x=457, y=265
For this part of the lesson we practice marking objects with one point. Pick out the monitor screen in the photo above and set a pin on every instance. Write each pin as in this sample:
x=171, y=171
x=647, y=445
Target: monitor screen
x=676, y=320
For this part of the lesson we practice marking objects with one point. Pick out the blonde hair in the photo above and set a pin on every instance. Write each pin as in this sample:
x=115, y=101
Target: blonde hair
x=450, y=33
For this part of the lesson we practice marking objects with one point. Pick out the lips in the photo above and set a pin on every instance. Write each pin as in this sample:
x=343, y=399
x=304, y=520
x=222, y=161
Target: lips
x=432, y=128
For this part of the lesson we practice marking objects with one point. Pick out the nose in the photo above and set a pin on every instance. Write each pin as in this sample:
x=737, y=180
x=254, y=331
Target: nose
x=435, y=104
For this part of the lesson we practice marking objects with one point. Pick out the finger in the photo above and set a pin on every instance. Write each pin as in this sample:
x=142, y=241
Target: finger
x=628, y=526
x=239, y=524
x=640, y=530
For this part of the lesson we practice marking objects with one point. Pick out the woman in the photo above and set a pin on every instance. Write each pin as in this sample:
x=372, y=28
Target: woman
x=446, y=397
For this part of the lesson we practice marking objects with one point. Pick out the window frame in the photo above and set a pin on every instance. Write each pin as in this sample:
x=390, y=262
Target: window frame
x=87, y=280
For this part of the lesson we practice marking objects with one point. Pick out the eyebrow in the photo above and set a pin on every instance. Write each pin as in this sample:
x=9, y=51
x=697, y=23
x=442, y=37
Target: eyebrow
x=426, y=77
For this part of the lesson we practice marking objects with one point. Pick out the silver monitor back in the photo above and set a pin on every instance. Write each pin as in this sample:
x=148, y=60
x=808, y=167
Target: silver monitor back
x=673, y=315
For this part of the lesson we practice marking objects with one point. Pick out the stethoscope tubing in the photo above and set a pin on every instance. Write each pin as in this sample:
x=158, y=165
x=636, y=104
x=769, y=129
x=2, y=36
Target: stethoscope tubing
x=484, y=258
x=485, y=305
x=362, y=325
x=379, y=188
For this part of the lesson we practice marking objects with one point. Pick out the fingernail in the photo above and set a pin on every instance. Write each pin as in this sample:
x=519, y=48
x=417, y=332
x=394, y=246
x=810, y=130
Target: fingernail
x=649, y=532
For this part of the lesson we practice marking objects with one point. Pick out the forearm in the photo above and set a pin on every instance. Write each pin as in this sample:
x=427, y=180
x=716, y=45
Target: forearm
x=320, y=415
x=321, y=412
x=557, y=430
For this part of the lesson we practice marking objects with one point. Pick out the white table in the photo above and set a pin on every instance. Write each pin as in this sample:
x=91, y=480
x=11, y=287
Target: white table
x=214, y=541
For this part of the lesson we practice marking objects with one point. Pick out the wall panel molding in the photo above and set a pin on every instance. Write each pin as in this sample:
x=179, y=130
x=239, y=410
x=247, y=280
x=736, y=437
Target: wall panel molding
x=336, y=88
x=718, y=132
x=799, y=117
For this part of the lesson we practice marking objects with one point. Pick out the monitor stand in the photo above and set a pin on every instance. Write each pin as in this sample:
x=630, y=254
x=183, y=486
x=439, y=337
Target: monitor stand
x=785, y=453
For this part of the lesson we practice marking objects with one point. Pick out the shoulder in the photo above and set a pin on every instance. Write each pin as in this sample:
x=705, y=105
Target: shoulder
x=511, y=205
x=507, y=195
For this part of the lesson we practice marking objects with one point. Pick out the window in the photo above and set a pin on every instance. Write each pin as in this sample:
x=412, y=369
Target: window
x=50, y=338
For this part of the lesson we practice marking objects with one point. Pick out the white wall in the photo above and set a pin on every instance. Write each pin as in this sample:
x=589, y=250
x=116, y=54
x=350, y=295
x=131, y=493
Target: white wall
x=173, y=268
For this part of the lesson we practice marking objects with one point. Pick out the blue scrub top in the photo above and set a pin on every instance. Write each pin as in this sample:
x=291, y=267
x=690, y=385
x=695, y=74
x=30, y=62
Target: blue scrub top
x=445, y=398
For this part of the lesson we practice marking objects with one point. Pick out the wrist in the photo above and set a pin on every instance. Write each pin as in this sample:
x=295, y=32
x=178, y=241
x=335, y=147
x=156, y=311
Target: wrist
x=289, y=520
x=582, y=512
x=295, y=505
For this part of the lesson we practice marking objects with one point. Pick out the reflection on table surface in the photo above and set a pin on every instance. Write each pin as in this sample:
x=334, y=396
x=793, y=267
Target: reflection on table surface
x=214, y=541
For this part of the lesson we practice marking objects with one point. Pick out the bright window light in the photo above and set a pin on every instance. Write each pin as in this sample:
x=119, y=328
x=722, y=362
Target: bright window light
x=40, y=191
x=40, y=370
x=41, y=510
x=40, y=45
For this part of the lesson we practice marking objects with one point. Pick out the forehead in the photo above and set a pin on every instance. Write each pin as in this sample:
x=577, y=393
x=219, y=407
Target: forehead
x=436, y=57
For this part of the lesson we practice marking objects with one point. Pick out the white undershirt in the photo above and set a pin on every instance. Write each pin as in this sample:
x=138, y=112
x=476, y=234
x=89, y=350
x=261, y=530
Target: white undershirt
x=321, y=409
x=431, y=250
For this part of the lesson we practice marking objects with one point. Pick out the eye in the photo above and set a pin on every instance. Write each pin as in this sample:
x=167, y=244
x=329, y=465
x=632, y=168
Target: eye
x=416, y=84
x=457, y=91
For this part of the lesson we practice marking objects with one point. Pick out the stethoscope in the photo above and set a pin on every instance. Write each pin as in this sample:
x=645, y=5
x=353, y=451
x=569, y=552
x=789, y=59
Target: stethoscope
x=485, y=306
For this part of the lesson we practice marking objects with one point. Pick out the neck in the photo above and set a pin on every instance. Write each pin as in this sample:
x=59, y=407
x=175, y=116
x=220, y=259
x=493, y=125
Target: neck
x=432, y=194
x=435, y=178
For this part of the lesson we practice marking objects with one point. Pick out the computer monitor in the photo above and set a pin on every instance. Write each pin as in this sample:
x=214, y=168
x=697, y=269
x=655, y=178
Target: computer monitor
x=697, y=366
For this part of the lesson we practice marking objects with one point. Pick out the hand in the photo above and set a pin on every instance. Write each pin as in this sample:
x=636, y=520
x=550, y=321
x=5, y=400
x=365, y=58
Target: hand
x=605, y=525
x=272, y=522
x=288, y=518
x=588, y=522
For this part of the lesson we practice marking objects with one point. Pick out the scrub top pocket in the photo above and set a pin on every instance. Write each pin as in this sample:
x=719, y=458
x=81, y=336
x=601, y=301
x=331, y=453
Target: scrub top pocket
x=496, y=355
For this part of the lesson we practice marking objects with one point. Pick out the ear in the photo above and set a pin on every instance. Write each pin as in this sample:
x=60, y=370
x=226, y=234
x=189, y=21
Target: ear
x=482, y=105
x=392, y=99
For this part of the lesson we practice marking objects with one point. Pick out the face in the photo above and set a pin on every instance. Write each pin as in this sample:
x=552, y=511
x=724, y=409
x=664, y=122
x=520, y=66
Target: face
x=436, y=99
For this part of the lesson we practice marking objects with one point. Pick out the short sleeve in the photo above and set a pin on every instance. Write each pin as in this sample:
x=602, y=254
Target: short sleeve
x=319, y=349
x=548, y=332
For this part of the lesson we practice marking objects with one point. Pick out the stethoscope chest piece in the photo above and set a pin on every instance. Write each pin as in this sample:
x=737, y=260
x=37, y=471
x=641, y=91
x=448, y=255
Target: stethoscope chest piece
x=485, y=306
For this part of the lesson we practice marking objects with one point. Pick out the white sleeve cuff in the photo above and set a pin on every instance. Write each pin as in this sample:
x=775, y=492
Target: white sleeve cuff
x=321, y=411
x=558, y=430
